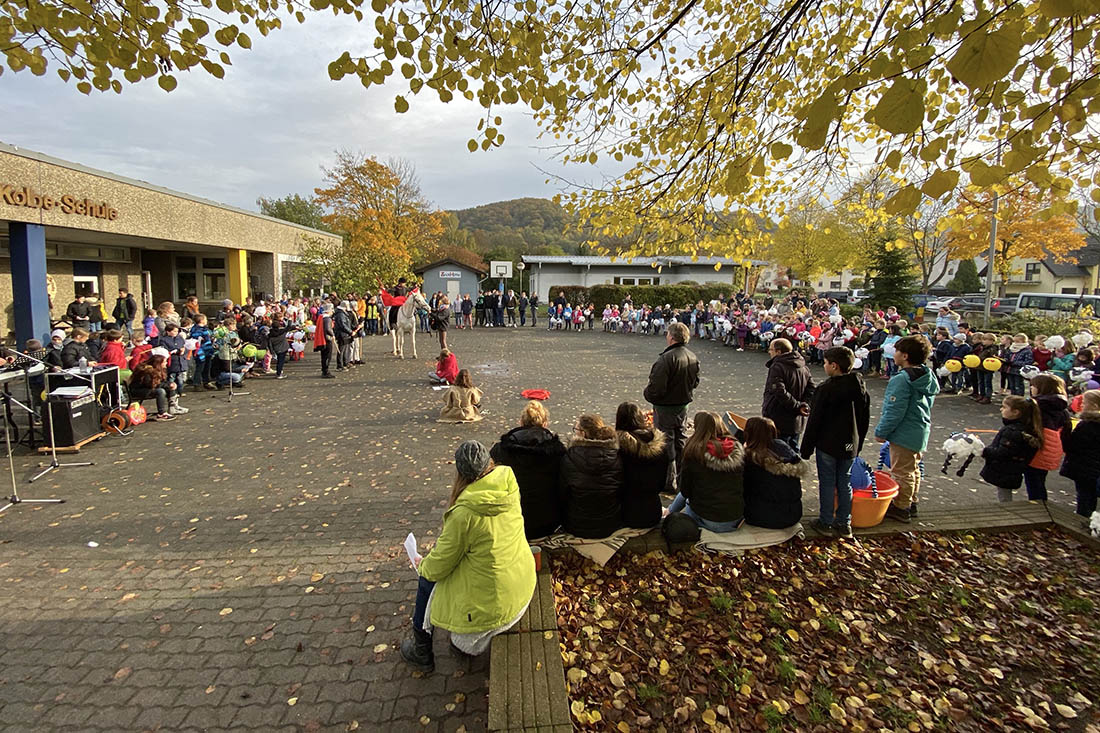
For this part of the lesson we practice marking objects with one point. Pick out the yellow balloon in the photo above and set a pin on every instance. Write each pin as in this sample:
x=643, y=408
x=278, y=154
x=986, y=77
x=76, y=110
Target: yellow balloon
x=972, y=361
x=992, y=364
x=953, y=365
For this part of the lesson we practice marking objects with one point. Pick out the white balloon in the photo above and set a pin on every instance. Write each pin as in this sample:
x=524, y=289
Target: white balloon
x=858, y=363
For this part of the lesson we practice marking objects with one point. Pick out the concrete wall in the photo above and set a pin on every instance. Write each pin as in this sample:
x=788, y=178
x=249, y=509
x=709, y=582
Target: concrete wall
x=143, y=210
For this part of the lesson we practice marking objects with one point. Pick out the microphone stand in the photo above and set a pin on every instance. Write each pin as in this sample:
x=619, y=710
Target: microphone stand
x=15, y=498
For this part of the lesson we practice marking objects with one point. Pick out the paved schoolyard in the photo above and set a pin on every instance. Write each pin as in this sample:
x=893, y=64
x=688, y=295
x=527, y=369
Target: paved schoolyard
x=249, y=570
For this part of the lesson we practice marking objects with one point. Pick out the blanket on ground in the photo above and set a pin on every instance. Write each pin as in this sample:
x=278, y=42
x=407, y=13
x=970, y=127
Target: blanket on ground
x=745, y=538
x=598, y=551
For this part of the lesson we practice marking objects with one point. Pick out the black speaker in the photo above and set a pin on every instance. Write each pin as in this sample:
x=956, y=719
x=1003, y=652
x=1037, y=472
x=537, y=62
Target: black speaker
x=73, y=420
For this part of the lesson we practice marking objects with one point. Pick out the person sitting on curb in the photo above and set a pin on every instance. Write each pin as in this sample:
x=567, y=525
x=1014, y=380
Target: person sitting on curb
x=773, y=477
x=479, y=578
x=712, y=489
x=534, y=454
x=592, y=480
x=645, y=453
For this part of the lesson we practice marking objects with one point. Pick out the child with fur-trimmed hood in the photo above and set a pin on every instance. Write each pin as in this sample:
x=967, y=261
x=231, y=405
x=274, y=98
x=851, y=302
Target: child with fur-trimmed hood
x=645, y=453
x=712, y=488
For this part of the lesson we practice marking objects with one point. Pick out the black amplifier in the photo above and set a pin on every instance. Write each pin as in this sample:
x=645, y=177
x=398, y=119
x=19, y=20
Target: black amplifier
x=73, y=420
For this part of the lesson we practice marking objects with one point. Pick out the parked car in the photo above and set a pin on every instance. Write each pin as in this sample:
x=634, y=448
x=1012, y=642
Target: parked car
x=840, y=296
x=953, y=302
x=855, y=295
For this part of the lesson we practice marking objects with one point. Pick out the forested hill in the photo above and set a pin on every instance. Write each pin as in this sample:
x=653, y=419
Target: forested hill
x=527, y=225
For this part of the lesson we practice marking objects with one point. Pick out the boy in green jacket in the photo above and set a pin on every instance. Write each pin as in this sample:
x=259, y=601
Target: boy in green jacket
x=906, y=420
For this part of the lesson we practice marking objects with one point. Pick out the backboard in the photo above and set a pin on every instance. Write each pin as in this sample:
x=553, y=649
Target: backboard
x=501, y=269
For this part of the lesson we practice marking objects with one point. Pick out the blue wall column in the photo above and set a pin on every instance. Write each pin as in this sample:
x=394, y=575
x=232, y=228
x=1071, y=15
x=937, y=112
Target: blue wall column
x=28, y=282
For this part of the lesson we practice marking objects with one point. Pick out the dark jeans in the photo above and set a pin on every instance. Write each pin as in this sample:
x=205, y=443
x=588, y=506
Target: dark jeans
x=522, y=316
x=138, y=394
x=672, y=423
x=1086, y=496
x=984, y=384
x=326, y=357
x=1036, y=481
x=499, y=317
x=423, y=593
x=834, y=480
x=203, y=371
x=1016, y=384
x=791, y=440
x=533, y=318
x=280, y=360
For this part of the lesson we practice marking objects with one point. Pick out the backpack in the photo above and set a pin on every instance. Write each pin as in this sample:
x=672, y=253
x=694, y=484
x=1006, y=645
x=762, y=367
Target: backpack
x=679, y=528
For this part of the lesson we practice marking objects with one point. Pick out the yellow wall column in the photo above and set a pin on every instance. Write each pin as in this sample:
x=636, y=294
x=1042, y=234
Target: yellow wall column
x=238, y=274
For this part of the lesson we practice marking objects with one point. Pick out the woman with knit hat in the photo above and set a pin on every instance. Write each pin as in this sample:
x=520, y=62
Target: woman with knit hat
x=479, y=578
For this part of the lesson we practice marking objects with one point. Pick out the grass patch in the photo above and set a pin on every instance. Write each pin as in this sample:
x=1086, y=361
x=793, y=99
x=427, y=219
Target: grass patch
x=648, y=692
x=786, y=672
x=1075, y=604
x=721, y=603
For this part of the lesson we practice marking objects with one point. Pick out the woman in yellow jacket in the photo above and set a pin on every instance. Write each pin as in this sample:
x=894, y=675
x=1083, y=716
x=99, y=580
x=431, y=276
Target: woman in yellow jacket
x=479, y=578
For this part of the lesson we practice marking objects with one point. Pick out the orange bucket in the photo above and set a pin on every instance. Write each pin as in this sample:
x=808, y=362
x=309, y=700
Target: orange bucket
x=869, y=510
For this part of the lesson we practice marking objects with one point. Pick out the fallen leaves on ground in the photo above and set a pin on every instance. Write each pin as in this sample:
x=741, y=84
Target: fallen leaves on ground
x=907, y=633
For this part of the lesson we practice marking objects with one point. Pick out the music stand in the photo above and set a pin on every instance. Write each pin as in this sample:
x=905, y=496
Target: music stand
x=8, y=399
x=236, y=393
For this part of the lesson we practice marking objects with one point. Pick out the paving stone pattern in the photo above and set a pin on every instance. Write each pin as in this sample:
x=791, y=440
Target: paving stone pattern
x=249, y=571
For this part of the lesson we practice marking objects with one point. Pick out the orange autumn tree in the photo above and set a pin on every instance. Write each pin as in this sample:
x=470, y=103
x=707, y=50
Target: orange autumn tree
x=1021, y=232
x=385, y=221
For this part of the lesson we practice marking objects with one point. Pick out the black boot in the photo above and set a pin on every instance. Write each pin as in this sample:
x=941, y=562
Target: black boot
x=417, y=650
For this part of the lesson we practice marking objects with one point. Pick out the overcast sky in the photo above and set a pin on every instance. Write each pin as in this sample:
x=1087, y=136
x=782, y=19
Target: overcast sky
x=268, y=127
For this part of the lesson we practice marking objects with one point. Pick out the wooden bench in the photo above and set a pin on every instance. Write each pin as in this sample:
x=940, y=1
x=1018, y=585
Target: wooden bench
x=526, y=675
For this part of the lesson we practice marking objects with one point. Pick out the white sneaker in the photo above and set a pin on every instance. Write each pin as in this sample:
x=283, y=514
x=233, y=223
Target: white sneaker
x=177, y=410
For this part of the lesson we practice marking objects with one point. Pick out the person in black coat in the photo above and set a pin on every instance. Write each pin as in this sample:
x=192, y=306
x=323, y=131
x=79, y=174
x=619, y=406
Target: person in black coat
x=79, y=313
x=534, y=454
x=278, y=344
x=773, y=477
x=592, y=480
x=671, y=388
x=1082, y=447
x=787, y=391
x=75, y=349
x=1014, y=446
x=840, y=414
x=645, y=454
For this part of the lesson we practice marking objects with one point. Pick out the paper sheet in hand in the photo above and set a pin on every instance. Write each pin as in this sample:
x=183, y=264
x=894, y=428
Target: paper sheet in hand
x=410, y=548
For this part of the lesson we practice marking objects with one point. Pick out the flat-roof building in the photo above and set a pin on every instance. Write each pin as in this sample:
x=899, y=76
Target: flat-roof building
x=66, y=229
x=548, y=271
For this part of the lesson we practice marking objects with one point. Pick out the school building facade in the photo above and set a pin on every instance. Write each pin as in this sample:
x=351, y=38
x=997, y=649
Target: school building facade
x=67, y=229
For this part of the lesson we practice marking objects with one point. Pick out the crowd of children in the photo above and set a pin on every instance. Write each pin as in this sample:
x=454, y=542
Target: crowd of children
x=1037, y=376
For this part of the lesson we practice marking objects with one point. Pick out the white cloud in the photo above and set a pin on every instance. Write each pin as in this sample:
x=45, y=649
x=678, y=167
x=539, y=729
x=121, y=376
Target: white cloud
x=268, y=127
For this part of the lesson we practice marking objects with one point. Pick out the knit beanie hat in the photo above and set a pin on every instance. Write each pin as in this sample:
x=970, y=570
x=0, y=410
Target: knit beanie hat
x=471, y=459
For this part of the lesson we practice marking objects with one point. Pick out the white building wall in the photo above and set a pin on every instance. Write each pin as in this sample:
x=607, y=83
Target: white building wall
x=544, y=276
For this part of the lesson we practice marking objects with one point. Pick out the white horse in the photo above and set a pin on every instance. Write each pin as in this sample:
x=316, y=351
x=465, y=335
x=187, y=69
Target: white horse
x=406, y=323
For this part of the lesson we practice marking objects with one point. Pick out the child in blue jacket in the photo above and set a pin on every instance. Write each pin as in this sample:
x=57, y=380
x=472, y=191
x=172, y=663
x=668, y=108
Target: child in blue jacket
x=906, y=420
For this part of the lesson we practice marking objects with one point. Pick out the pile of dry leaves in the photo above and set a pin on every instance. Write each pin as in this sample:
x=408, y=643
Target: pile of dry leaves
x=912, y=632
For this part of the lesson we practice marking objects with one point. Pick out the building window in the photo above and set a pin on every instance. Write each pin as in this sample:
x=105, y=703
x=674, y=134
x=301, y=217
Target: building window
x=1069, y=291
x=625, y=281
x=86, y=285
x=1031, y=271
x=637, y=281
x=835, y=284
x=204, y=277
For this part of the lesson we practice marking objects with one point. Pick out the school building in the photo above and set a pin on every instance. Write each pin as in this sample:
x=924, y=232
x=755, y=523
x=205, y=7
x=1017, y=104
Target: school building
x=67, y=229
